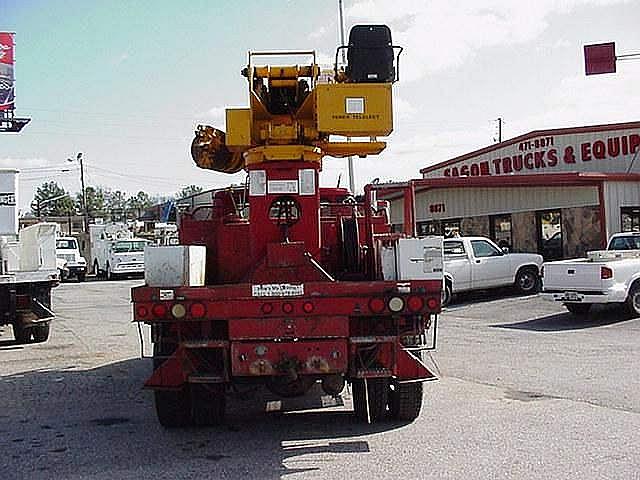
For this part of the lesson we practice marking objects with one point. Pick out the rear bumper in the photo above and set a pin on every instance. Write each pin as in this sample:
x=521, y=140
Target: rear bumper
x=613, y=295
x=315, y=358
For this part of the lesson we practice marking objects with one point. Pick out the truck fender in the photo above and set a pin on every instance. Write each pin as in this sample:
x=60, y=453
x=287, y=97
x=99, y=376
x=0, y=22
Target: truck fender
x=633, y=281
x=532, y=266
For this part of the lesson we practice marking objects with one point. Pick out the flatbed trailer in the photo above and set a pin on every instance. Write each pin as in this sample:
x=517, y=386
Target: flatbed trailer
x=25, y=303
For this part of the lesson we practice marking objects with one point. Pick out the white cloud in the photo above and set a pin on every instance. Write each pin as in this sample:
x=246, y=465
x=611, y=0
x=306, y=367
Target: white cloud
x=215, y=116
x=19, y=163
x=319, y=33
x=402, y=109
x=217, y=113
x=581, y=100
x=442, y=35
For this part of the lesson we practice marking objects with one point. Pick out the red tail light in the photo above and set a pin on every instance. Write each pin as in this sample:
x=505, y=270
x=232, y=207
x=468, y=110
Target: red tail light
x=376, y=305
x=432, y=303
x=159, y=310
x=197, y=310
x=307, y=307
x=415, y=303
x=267, y=308
x=287, y=307
x=142, y=312
x=606, y=273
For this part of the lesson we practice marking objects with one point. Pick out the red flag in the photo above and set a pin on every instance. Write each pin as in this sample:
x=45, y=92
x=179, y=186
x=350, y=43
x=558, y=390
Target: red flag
x=6, y=71
x=6, y=48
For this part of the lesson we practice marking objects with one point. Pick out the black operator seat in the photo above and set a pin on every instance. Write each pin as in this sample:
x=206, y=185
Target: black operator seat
x=370, y=54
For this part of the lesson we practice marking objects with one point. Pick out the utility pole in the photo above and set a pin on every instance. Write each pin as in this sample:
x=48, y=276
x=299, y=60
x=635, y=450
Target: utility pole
x=352, y=180
x=85, y=212
x=499, y=120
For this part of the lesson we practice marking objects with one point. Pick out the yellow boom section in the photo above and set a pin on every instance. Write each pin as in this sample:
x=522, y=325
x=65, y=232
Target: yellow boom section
x=292, y=115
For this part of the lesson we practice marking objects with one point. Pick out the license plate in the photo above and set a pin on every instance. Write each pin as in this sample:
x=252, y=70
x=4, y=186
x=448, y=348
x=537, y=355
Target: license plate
x=277, y=290
x=571, y=296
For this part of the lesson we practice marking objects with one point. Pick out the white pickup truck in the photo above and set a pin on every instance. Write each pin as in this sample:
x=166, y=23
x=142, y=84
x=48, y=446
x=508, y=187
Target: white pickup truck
x=476, y=263
x=70, y=262
x=605, y=276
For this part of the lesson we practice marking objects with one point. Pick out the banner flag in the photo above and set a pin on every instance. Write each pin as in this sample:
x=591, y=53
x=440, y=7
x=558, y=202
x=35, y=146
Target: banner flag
x=7, y=84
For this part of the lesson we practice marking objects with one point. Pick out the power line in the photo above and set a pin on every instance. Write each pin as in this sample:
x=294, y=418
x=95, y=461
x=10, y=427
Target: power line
x=142, y=177
x=176, y=140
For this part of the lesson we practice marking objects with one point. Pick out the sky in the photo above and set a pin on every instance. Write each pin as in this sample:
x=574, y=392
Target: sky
x=127, y=82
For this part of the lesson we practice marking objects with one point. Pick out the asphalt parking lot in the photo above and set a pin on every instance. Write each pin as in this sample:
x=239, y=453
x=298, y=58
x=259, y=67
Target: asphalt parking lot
x=527, y=391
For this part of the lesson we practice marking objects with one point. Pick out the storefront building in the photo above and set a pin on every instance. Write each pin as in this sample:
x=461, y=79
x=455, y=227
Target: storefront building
x=558, y=192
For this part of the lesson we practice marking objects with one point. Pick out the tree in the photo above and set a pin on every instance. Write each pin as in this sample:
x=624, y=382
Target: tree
x=95, y=201
x=188, y=191
x=138, y=203
x=43, y=205
x=116, y=204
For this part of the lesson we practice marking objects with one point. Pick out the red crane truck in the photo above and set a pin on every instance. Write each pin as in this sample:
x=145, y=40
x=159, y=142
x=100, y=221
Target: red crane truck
x=284, y=283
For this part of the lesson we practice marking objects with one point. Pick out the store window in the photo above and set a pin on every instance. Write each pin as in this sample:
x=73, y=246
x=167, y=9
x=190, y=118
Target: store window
x=428, y=228
x=500, y=230
x=630, y=219
x=446, y=228
x=549, y=225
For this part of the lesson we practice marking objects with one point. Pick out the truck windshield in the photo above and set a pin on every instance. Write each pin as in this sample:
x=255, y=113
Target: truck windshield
x=625, y=243
x=65, y=244
x=129, y=246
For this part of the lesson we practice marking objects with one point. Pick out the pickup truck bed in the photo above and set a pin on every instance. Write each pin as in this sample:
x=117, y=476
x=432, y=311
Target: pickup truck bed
x=603, y=277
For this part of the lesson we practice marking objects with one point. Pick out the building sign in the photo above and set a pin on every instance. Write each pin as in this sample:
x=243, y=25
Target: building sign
x=7, y=199
x=437, y=208
x=568, y=150
x=6, y=71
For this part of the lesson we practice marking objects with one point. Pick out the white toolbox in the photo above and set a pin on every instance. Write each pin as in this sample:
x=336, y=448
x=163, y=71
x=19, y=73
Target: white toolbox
x=175, y=266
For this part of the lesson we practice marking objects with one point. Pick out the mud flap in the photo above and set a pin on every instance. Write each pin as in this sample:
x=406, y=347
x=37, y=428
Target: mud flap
x=174, y=371
x=411, y=368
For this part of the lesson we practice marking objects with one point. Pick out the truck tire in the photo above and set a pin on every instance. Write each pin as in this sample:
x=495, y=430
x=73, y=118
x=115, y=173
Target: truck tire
x=173, y=408
x=378, y=389
x=41, y=333
x=208, y=404
x=405, y=400
x=81, y=277
x=447, y=294
x=578, y=308
x=109, y=274
x=21, y=334
x=633, y=300
x=527, y=280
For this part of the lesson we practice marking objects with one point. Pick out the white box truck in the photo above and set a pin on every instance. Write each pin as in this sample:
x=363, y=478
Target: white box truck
x=27, y=269
x=115, y=252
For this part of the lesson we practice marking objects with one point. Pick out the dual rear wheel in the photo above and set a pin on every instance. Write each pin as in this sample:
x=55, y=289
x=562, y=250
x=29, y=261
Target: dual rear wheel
x=404, y=400
x=36, y=334
x=193, y=404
